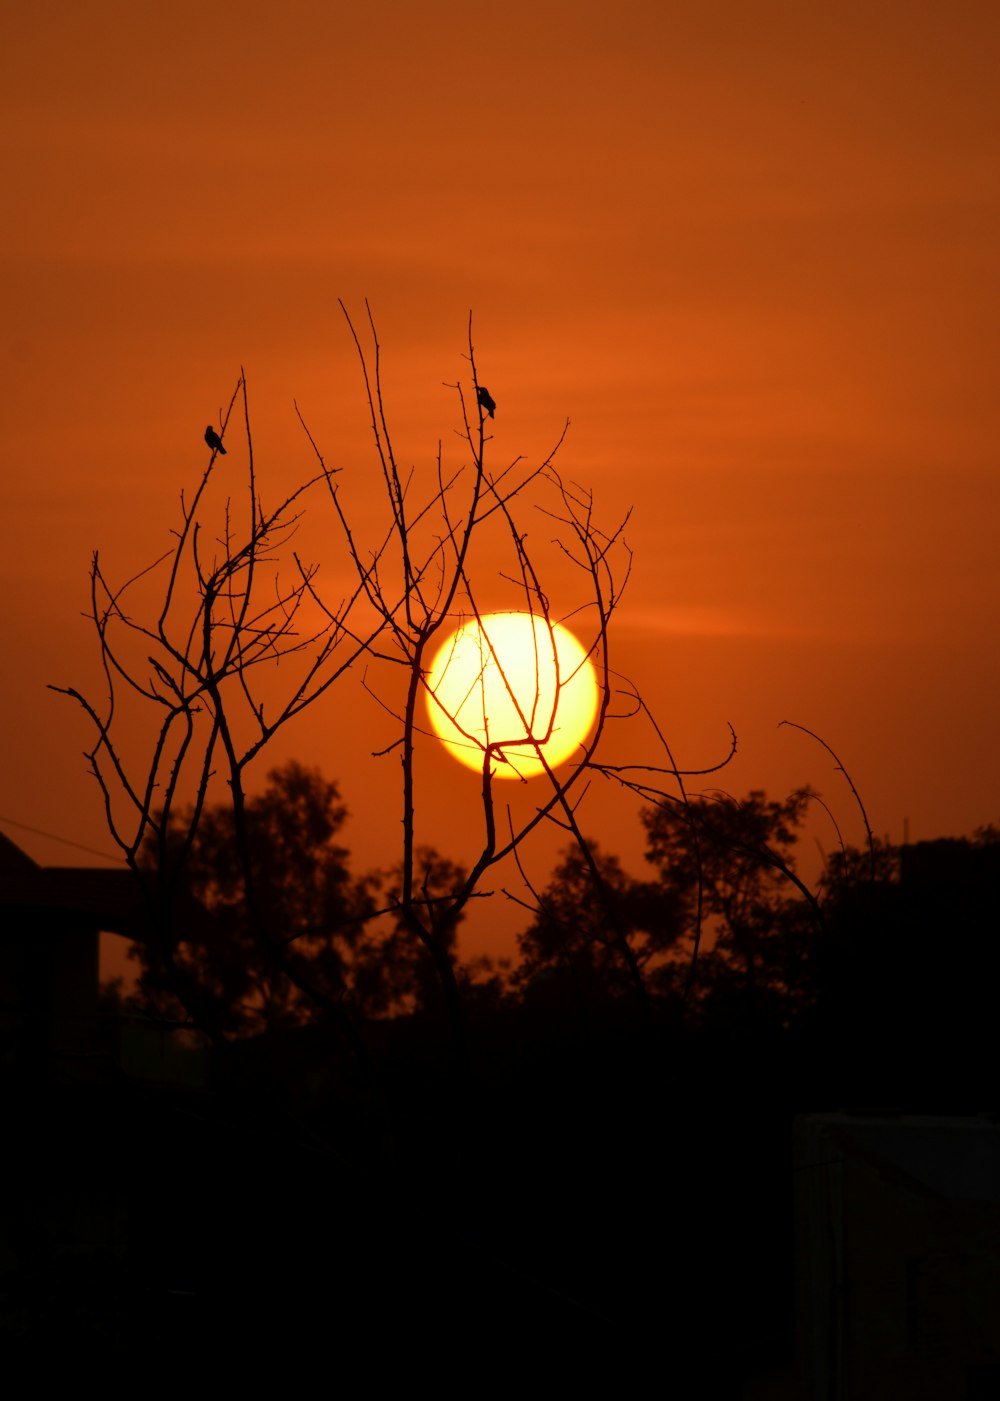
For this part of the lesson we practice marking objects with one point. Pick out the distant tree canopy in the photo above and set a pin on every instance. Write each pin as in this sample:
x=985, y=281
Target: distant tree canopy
x=731, y=864
x=894, y=948
x=596, y=929
x=725, y=917
x=391, y=971
x=309, y=933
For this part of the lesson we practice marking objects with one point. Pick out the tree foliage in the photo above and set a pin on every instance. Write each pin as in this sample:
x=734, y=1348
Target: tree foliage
x=731, y=866
x=329, y=937
x=594, y=925
x=725, y=920
x=391, y=972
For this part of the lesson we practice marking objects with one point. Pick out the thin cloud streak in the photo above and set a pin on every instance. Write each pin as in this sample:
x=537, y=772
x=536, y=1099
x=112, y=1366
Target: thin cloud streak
x=700, y=621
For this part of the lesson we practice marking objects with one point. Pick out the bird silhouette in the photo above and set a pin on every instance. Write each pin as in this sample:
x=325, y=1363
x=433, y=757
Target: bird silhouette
x=486, y=400
x=213, y=440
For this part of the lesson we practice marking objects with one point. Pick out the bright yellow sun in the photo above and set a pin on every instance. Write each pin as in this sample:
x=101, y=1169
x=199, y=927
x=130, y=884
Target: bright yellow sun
x=513, y=680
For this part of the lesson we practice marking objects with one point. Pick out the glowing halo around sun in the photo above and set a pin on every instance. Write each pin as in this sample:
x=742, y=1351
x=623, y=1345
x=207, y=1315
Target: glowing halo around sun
x=513, y=680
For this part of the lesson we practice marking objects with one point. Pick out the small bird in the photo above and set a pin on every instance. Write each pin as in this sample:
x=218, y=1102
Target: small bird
x=486, y=400
x=213, y=440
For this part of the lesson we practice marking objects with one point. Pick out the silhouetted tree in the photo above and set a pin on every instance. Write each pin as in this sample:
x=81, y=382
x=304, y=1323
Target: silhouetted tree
x=730, y=867
x=306, y=898
x=195, y=659
x=722, y=865
x=391, y=972
x=594, y=926
x=988, y=836
x=338, y=935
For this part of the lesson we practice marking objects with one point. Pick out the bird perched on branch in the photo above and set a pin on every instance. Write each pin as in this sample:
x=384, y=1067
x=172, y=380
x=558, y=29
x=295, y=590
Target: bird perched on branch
x=213, y=440
x=486, y=400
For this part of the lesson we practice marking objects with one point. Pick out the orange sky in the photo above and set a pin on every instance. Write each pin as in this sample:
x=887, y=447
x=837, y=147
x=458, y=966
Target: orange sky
x=749, y=250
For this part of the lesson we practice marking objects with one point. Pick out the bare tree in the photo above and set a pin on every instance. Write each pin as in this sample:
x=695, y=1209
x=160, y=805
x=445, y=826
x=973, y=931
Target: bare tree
x=219, y=615
x=427, y=576
x=202, y=658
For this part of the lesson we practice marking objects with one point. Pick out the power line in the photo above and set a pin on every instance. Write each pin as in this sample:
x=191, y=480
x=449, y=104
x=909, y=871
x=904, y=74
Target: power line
x=23, y=826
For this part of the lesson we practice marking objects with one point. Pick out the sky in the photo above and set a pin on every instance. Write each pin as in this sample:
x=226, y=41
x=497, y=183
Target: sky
x=747, y=250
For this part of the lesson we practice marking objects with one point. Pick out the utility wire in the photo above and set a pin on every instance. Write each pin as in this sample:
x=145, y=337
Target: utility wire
x=23, y=826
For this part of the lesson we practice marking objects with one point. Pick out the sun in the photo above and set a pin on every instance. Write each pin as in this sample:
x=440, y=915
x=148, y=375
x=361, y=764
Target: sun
x=516, y=681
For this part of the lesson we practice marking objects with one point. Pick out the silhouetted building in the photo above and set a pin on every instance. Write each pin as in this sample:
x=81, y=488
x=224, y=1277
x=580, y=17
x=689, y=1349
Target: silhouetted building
x=907, y=984
x=897, y=1257
x=52, y=1027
